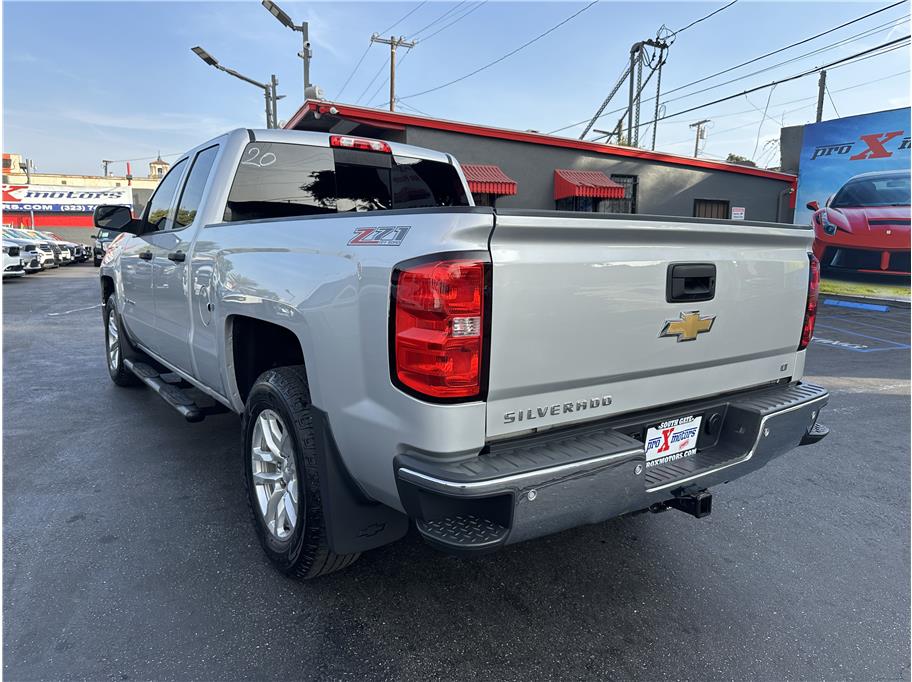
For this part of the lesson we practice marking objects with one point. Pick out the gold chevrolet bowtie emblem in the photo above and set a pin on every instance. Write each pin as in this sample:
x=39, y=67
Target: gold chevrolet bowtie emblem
x=687, y=328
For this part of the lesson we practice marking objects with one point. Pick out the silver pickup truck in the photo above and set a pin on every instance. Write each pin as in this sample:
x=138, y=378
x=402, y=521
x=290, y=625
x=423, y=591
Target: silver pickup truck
x=399, y=354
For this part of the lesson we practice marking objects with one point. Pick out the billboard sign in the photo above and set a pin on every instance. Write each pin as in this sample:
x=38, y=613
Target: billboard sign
x=834, y=152
x=59, y=199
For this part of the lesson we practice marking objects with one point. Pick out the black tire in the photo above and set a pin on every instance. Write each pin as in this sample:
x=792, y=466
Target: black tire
x=96, y=261
x=119, y=374
x=305, y=554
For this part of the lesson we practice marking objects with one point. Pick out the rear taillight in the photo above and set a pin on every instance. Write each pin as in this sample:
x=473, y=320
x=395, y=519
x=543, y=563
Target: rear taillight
x=810, y=309
x=363, y=143
x=438, y=327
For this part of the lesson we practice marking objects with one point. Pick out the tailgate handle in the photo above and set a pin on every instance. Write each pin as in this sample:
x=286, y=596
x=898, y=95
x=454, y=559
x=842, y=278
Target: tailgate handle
x=690, y=282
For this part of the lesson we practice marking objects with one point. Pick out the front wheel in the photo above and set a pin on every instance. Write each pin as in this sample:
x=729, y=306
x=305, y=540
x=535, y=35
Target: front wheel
x=282, y=477
x=115, y=344
x=96, y=261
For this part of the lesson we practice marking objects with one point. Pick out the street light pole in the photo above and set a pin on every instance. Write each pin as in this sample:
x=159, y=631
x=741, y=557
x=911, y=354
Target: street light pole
x=302, y=28
x=269, y=89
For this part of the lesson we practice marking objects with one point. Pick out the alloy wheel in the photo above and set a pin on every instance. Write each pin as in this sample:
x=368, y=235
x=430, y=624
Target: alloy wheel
x=113, y=341
x=275, y=476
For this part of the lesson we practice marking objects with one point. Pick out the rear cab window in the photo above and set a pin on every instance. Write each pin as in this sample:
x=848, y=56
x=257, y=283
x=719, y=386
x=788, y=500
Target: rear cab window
x=278, y=180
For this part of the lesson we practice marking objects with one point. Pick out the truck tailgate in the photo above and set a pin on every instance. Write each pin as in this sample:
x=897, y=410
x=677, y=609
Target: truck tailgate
x=578, y=306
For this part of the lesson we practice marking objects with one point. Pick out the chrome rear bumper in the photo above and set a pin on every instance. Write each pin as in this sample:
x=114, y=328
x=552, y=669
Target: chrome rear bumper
x=537, y=485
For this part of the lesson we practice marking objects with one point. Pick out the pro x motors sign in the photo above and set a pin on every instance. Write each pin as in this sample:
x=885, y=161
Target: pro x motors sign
x=834, y=152
x=62, y=198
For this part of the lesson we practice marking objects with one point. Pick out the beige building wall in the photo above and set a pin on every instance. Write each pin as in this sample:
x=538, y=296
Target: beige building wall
x=14, y=175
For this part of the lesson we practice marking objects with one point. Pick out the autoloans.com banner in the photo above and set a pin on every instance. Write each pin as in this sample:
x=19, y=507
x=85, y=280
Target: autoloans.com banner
x=835, y=151
x=66, y=199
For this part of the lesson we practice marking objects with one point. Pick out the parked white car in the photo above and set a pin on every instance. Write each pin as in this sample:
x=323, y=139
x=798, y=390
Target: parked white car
x=47, y=255
x=31, y=255
x=12, y=262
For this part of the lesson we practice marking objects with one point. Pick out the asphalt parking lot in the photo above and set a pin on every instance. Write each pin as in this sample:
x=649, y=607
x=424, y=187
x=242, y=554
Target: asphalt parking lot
x=129, y=553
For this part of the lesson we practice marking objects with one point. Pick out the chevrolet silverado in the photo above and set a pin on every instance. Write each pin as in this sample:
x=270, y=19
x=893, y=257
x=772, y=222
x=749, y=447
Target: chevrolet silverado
x=397, y=354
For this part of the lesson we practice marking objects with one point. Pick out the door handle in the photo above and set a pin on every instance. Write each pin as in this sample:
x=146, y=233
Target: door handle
x=690, y=282
x=177, y=256
x=146, y=255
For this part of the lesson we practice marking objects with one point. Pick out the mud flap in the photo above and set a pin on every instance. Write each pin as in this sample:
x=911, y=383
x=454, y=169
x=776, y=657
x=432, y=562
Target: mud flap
x=354, y=523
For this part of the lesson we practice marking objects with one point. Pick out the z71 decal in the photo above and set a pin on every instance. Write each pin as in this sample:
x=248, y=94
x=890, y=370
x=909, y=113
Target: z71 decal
x=378, y=236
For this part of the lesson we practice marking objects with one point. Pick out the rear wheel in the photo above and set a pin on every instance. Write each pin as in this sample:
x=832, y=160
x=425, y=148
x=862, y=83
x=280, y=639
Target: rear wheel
x=282, y=477
x=115, y=345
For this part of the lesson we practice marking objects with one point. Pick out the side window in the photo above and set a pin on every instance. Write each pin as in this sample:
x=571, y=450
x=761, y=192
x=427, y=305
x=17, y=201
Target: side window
x=158, y=213
x=193, y=189
x=418, y=183
x=276, y=180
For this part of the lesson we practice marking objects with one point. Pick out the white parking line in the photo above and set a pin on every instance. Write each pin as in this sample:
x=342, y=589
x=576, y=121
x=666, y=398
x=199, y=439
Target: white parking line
x=75, y=310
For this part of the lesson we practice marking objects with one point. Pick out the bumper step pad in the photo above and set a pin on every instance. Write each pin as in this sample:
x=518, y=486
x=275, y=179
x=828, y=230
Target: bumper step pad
x=463, y=532
x=190, y=402
x=745, y=415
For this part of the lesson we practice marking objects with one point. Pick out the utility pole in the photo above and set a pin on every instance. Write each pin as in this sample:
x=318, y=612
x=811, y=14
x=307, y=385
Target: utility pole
x=701, y=135
x=105, y=163
x=634, y=58
x=301, y=28
x=393, y=42
x=821, y=89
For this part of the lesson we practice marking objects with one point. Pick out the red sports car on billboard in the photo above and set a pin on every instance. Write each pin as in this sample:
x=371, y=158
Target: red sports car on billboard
x=865, y=226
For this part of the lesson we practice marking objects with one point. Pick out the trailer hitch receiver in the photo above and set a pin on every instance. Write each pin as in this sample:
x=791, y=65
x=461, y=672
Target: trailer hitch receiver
x=698, y=505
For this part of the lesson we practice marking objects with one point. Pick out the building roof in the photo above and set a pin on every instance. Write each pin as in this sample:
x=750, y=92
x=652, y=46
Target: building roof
x=398, y=121
x=488, y=179
x=585, y=183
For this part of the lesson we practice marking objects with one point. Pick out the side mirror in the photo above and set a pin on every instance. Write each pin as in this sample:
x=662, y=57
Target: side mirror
x=114, y=218
x=813, y=205
x=93, y=236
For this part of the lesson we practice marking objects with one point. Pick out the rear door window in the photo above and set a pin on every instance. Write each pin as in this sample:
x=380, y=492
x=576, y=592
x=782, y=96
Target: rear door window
x=192, y=193
x=276, y=180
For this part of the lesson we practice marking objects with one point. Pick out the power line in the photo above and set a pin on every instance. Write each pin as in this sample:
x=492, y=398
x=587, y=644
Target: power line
x=438, y=19
x=788, y=47
x=694, y=23
x=144, y=158
x=858, y=36
x=506, y=56
x=347, y=80
x=439, y=30
x=456, y=20
x=857, y=57
x=763, y=120
x=755, y=59
x=403, y=18
x=374, y=79
x=716, y=133
x=831, y=100
x=367, y=49
x=399, y=61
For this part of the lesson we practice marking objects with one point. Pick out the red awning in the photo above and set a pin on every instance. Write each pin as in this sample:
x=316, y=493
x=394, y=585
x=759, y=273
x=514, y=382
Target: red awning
x=488, y=179
x=585, y=183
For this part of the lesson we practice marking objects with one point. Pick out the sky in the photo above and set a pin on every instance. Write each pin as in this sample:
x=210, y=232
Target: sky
x=85, y=81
